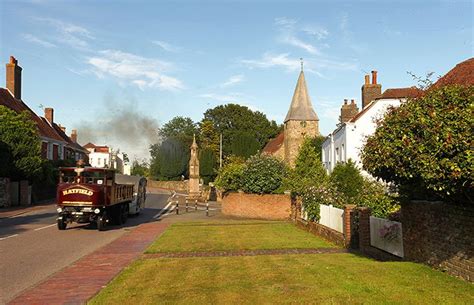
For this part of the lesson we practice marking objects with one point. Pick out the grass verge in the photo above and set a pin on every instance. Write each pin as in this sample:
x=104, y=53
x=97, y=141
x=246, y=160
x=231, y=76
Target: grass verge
x=295, y=279
x=234, y=235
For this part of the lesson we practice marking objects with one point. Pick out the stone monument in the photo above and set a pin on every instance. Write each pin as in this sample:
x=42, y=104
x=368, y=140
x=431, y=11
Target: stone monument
x=194, y=191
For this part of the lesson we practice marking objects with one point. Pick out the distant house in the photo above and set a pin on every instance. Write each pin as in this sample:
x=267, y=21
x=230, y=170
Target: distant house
x=104, y=157
x=55, y=144
x=347, y=140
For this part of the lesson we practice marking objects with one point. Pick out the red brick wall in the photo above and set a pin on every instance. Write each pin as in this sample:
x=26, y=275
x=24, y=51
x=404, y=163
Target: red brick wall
x=273, y=207
x=441, y=235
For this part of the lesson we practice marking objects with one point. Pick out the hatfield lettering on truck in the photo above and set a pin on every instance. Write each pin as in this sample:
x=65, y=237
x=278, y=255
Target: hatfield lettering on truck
x=98, y=196
x=78, y=191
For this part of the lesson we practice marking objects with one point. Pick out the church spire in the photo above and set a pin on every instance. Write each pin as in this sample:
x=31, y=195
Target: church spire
x=301, y=108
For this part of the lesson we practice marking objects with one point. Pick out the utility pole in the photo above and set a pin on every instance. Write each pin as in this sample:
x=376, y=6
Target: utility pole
x=220, y=152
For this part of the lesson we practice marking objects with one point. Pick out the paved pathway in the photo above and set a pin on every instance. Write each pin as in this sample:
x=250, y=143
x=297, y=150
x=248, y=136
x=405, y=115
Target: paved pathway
x=244, y=253
x=81, y=281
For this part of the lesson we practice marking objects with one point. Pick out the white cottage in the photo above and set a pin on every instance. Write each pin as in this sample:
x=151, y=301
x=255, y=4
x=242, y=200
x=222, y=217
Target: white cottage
x=348, y=139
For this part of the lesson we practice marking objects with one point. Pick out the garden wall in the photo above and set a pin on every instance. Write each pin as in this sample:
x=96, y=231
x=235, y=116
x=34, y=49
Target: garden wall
x=179, y=186
x=5, y=192
x=441, y=235
x=271, y=206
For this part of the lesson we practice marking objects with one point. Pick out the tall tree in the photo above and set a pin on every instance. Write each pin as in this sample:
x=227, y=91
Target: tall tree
x=244, y=145
x=20, y=150
x=179, y=128
x=207, y=165
x=231, y=119
x=209, y=136
x=169, y=160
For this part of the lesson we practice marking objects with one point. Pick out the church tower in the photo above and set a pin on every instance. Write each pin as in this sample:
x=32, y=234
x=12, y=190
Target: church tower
x=300, y=122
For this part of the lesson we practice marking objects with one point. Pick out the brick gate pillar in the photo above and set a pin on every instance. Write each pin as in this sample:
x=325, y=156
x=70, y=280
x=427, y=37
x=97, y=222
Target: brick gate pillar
x=348, y=225
x=364, y=227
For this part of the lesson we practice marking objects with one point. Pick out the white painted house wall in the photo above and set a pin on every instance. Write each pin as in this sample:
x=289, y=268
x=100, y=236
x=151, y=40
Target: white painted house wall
x=99, y=159
x=348, y=139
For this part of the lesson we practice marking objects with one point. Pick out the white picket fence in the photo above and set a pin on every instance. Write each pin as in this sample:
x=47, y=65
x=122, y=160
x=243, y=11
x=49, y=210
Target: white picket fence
x=332, y=217
x=386, y=235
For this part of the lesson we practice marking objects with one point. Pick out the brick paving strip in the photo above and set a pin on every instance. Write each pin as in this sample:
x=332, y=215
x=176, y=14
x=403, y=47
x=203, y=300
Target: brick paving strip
x=78, y=283
x=243, y=253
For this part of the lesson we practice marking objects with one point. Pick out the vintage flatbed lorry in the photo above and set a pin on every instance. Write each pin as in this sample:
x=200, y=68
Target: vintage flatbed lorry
x=98, y=195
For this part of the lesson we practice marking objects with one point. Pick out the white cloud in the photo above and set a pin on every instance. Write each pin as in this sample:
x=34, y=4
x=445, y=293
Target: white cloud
x=235, y=79
x=313, y=65
x=290, y=33
x=167, y=46
x=68, y=33
x=270, y=60
x=139, y=71
x=34, y=39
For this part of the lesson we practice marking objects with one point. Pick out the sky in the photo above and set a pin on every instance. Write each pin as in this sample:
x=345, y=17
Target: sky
x=117, y=70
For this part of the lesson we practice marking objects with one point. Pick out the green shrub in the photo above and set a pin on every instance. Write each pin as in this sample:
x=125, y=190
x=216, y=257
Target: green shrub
x=308, y=171
x=348, y=180
x=244, y=144
x=262, y=174
x=230, y=176
x=373, y=195
x=426, y=145
x=313, y=196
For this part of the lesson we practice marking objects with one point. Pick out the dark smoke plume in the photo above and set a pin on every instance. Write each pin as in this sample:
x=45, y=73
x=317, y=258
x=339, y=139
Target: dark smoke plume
x=121, y=126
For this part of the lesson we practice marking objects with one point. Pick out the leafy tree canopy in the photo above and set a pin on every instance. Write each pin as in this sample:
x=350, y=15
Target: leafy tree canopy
x=169, y=160
x=426, y=145
x=179, y=128
x=244, y=145
x=231, y=119
x=209, y=136
x=140, y=168
x=20, y=149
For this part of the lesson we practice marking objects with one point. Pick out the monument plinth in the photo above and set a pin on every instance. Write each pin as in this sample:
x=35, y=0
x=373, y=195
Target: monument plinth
x=193, y=191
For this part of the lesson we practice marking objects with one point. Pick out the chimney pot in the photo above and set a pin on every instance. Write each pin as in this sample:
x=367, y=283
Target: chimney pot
x=374, y=77
x=74, y=135
x=367, y=79
x=13, y=77
x=49, y=114
x=352, y=101
x=345, y=101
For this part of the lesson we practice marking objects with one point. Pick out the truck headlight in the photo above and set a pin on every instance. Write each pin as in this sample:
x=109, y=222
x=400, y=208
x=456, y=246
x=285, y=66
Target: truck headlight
x=59, y=210
x=97, y=211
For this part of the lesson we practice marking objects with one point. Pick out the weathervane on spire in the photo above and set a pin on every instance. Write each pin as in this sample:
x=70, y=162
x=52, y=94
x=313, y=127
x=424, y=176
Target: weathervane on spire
x=301, y=60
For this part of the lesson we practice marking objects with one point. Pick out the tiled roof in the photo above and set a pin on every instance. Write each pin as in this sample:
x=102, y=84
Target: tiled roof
x=275, y=144
x=44, y=129
x=395, y=93
x=461, y=74
x=66, y=138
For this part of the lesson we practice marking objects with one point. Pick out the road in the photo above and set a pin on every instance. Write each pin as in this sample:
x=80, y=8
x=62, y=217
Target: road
x=32, y=248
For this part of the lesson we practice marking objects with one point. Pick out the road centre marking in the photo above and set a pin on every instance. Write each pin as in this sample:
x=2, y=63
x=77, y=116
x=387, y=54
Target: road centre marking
x=6, y=237
x=37, y=229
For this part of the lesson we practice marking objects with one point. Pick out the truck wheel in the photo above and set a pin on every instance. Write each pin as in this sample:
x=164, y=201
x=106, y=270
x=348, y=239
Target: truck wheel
x=101, y=222
x=117, y=215
x=124, y=214
x=62, y=224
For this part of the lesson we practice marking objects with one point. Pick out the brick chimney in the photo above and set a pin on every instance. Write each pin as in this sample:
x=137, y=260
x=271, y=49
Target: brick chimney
x=74, y=135
x=49, y=114
x=348, y=111
x=370, y=91
x=13, y=77
x=62, y=128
